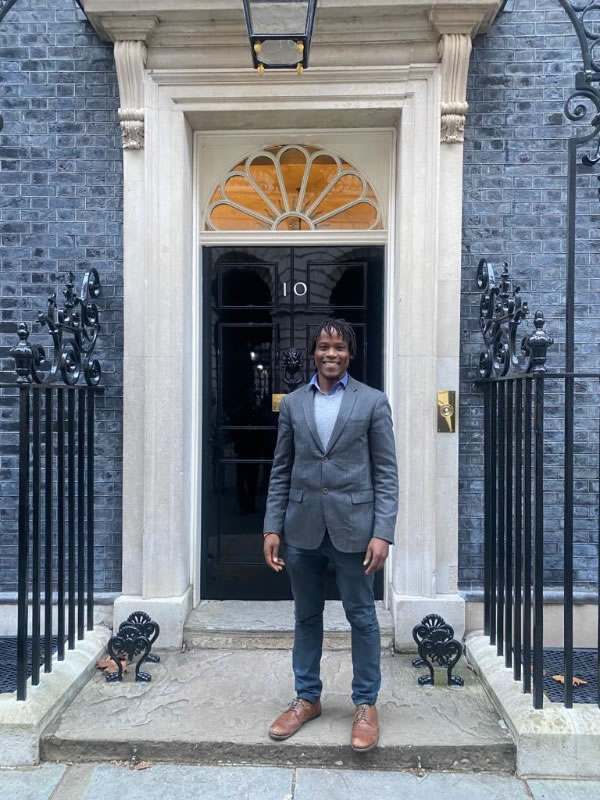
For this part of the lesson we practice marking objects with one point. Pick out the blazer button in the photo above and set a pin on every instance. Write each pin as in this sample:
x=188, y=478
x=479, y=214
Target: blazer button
x=325, y=491
x=325, y=458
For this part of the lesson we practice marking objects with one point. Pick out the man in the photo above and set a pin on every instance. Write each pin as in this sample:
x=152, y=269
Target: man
x=333, y=499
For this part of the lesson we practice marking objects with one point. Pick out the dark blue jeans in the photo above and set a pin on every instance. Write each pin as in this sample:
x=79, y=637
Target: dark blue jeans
x=308, y=573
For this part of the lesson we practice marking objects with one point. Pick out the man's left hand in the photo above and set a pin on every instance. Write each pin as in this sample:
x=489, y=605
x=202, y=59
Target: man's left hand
x=377, y=552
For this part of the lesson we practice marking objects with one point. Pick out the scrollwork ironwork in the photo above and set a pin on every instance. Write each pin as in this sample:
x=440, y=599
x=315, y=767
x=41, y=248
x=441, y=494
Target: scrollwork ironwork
x=441, y=649
x=74, y=331
x=125, y=646
x=501, y=311
x=583, y=104
x=437, y=645
x=135, y=637
x=421, y=631
x=147, y=627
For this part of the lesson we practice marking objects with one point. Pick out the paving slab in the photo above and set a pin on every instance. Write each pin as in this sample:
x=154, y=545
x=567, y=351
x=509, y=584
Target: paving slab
x=242, y=624
x=172, y=782
x=192, y=783
x=214, y=707
x=564, y=789
x=326, y=784
x=35, y=783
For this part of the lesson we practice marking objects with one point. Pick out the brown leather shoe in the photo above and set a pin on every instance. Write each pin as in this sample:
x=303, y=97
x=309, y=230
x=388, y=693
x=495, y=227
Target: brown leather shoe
x=365, y=728
x=293, y=718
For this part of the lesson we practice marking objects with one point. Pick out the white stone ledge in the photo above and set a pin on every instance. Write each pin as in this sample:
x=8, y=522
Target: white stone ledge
x=551, y=742
x=23, y=722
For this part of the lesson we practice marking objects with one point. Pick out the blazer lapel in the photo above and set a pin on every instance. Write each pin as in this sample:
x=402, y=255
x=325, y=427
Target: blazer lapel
x=348, y=401
x=309, y=413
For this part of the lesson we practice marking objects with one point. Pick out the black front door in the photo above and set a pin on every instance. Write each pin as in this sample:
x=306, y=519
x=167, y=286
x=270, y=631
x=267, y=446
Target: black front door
x=259, y=304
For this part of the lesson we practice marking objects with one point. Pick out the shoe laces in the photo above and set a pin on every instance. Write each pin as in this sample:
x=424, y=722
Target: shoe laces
x=360, y=715
x=297, y=701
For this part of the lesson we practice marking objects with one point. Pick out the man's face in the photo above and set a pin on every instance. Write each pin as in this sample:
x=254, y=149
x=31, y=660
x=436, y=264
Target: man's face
x=332, y=356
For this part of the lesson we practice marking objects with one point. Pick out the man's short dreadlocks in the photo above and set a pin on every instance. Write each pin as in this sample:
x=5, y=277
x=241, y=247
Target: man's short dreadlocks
x=339, y=326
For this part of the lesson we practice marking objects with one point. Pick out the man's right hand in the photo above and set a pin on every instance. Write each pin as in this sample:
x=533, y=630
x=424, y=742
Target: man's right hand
x=271, y=552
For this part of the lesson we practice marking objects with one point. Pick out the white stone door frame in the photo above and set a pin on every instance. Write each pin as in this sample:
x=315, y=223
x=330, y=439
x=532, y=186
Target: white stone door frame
x=422, y=325
x=351, y=144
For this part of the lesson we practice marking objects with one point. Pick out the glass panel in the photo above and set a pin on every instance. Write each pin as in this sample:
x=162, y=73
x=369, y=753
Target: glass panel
x=336, y=284
x=279, y=51
x=360, y=216
x=278, y=16
x=323, y=169
x=241, y=498
x=347, y=189
x=246, y=369
x=246, y=284
x=293, y=224
x=293, y=166
x=225, y=218
x=263, y=173
x=240, y=191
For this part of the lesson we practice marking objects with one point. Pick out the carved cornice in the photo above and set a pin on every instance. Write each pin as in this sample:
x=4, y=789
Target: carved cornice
x=178, y=22
x=130, y=59
x=455, y=51
x=471, y=16
x=124, y=28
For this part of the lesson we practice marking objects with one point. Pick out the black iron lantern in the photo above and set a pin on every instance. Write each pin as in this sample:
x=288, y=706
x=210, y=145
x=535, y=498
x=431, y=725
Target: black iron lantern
x=280, y=32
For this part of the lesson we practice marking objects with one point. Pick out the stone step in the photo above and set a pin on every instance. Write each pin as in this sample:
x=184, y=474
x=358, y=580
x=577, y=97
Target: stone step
x=268, y=625
x=214, y=707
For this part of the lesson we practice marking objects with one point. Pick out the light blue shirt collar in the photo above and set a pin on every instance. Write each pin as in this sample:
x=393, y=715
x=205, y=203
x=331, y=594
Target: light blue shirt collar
x=339, y=386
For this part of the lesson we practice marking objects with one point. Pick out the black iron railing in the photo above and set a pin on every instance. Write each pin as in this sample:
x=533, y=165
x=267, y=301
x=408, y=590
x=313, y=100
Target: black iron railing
x=56, y=433
x=516, y=386
x=55, y=523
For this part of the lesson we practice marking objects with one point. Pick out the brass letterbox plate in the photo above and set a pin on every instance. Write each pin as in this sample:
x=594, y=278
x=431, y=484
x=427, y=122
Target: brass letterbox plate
x=276, y=401
x=446, y=411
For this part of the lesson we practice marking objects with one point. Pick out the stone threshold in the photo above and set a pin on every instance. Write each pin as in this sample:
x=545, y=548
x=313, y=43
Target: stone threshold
x=553, y=741
x=214, y=707
x=23, y=722
x=269, y=625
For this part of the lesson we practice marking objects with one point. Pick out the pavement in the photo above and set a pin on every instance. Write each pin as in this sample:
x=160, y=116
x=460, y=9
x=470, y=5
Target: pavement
x=174, y=782
x=213, y=707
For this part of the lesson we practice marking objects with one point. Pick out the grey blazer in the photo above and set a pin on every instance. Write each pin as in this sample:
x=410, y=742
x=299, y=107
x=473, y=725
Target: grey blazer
x=350, y=489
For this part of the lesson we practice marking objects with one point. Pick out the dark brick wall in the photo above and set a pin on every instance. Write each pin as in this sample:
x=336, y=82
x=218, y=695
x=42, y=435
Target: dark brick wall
x=61, y=187
x=515, y=210
x=61, y=210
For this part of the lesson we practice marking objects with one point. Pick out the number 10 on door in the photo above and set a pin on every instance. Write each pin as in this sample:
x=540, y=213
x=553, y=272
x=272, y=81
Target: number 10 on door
x=299, y=289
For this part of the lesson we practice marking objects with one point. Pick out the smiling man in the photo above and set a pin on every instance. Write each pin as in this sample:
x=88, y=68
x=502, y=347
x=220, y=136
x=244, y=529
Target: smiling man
x=333, y=499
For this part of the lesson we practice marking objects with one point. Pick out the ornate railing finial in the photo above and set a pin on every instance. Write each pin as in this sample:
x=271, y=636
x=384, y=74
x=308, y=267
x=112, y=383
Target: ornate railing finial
x=74, y=331
x=536, y=344
x=25, y=355
x=501, y=310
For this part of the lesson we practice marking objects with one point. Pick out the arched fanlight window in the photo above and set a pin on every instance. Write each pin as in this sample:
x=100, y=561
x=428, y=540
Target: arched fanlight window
x=293, y=188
